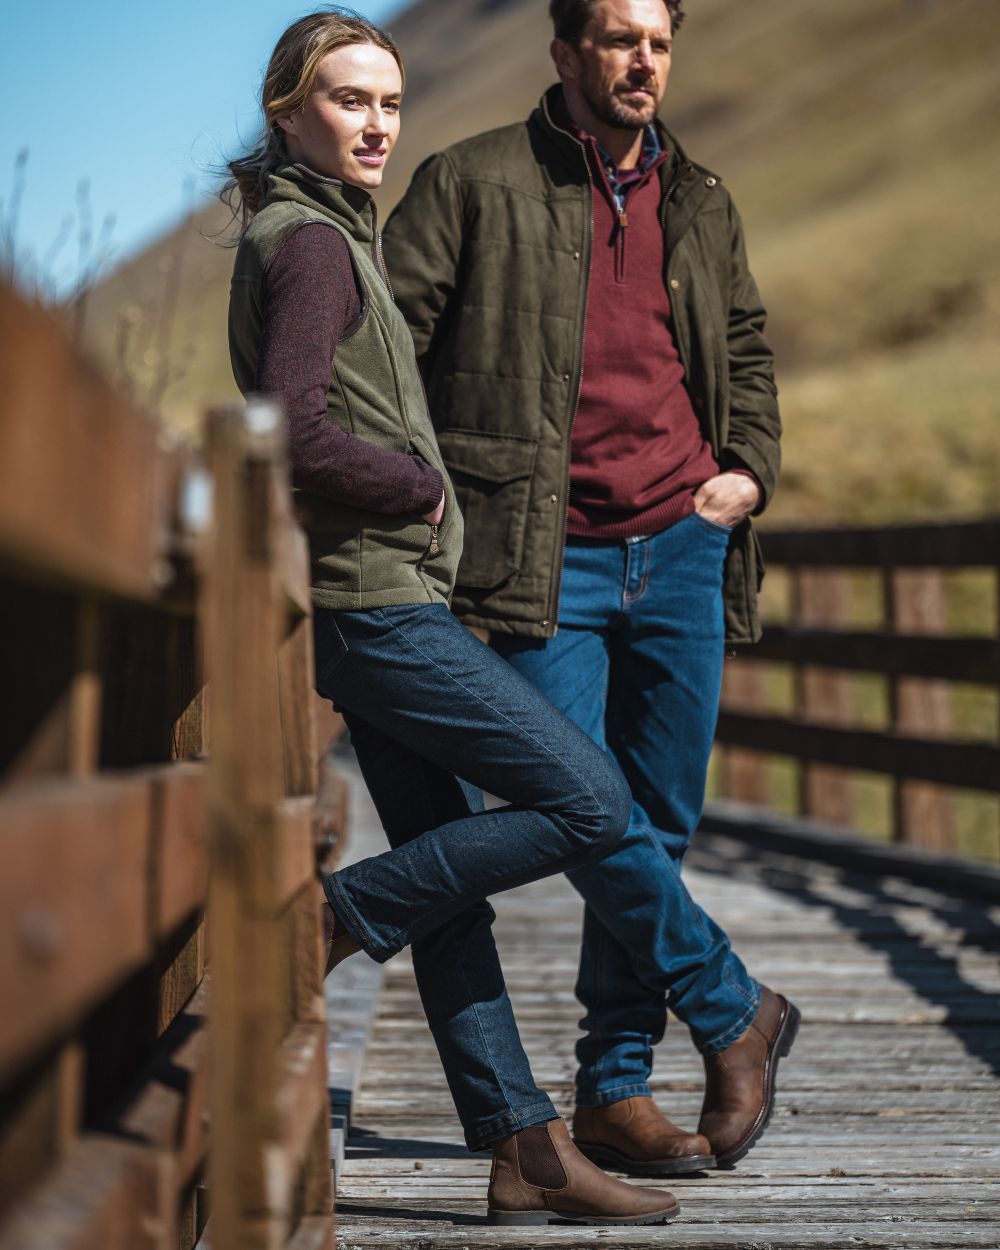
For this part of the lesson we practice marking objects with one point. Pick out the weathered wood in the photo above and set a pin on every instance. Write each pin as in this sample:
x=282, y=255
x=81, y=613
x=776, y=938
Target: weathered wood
x=897, y=654
x=969, y=764
x=823, y=696
x=104, y=1194
x=922, y=814
x=179, y=875
x=887, y=1119
x=298, y=726
x=269, y=1088
x=81, y=474
x=72, y=852
x=948, y=545
x=746, y=774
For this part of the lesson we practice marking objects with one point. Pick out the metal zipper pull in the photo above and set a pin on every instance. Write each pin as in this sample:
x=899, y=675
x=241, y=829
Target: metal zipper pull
x=434, y=547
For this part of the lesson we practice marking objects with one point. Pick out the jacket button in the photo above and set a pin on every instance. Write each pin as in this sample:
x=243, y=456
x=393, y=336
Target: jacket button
x=711, y=182
x=576, y=255
x=565, y=377
x=553, y=498
x=674, y=284
x=545, y=622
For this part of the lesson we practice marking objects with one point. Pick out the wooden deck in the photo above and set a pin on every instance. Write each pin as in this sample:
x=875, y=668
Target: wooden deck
x=887, y=1123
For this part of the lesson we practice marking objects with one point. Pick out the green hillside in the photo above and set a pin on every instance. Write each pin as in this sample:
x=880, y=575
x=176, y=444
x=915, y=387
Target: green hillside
x=861, y=142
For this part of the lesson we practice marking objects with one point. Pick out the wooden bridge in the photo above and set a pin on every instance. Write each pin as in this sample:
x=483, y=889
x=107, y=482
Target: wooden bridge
x=147, y=1105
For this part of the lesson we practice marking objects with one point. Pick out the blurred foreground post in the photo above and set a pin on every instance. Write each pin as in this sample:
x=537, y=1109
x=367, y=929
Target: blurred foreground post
x=270, y=1170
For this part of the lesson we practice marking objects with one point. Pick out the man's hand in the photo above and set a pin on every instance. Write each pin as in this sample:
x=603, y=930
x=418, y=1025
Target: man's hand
x=727, y=499
x=437, y=516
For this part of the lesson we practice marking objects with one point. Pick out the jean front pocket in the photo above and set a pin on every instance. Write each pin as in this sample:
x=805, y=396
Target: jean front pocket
x=716, y=527
x=329, y=646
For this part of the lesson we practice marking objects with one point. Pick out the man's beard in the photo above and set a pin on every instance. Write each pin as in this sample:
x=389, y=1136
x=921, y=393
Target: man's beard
x=612, y=111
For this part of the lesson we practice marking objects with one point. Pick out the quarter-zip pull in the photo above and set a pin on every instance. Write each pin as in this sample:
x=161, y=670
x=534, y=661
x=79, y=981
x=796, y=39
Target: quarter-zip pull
x=620, y=245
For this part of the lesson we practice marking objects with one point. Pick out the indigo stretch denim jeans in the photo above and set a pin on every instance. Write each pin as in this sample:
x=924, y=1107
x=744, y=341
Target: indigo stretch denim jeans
x=427, y=704
x=637, y=664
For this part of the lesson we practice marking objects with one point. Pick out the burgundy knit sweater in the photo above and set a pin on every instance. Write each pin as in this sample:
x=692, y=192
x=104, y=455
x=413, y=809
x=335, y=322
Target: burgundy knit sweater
x=311, y=301
x=637, y=453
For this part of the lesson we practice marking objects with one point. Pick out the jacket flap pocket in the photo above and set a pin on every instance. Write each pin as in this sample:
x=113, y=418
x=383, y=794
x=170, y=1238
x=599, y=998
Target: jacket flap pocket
x=492, y=457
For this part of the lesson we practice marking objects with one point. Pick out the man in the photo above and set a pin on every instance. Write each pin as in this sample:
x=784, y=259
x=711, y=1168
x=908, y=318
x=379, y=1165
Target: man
x=592, y=343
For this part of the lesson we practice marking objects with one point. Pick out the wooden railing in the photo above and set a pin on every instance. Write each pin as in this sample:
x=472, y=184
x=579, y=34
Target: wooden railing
x=129, y=1077
x=881, y=656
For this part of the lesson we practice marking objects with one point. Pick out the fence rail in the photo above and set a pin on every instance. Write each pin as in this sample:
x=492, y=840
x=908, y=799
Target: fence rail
x=128, y=1077
x=914, y=650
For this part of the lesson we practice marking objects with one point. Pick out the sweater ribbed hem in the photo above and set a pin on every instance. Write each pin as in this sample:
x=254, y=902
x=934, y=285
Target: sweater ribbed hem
x=595, y=524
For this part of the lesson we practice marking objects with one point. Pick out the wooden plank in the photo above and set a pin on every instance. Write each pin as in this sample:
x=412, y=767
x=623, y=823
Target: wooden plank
x=168, y=1109
x=948, y=545
x=922, y=814
x=40, y=1115
x=103, y=1195
x=179, y=874
x=295, y=864
x=301, y=1096
x=73, y=853
x=298, y=727
x=896, y=654
x=823, y=696
x=181, y=968
x=971, y=765
x=81, y=474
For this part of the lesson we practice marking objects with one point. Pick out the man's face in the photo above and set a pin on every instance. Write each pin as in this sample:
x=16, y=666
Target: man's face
x=622, y=61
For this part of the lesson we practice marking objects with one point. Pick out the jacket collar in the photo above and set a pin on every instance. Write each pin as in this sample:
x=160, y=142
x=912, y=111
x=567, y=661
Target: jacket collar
x=349, y=206
x=676, y=172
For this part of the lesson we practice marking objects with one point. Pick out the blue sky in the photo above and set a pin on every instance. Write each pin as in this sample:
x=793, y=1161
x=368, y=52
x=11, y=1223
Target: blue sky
x=142, y=106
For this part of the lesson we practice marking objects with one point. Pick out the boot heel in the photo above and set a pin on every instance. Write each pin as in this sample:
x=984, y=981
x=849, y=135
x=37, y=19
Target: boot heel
x=510, y=1218
x=790, y=1031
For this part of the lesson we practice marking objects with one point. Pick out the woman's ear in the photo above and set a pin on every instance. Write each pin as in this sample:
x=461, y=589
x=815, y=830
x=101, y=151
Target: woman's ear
x=287, y=124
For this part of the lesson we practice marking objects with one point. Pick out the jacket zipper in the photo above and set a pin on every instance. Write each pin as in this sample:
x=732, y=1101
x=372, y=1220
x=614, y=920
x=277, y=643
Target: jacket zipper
x=553, y=625
x=377, y=256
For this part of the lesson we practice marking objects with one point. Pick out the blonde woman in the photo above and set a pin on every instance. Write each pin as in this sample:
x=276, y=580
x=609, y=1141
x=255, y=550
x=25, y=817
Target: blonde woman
x=313, y=323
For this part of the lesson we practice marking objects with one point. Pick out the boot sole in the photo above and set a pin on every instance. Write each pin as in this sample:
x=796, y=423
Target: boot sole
x=535, y=1218
x=606, y=1157
x=780, y=1047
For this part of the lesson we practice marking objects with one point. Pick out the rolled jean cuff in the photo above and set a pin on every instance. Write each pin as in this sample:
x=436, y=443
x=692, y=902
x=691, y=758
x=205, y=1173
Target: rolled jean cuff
x=481, y=1136
x=352, y=922
x=735, y=1031
x=604, y=1097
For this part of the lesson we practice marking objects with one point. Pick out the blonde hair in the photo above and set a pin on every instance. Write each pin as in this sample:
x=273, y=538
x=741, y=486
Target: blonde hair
x=288, y=81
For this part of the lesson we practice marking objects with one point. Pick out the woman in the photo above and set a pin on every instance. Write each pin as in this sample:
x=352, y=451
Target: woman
x=312, y=322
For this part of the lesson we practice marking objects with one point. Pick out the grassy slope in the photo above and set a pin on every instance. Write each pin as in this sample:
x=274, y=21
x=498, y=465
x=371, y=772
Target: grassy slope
x=860, y=141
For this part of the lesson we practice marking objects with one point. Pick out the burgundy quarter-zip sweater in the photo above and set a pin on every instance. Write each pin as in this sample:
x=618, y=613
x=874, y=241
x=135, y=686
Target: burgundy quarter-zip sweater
x=637, y=452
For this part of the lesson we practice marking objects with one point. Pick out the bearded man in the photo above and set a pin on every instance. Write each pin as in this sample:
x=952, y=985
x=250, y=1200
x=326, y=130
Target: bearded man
x=592, y=344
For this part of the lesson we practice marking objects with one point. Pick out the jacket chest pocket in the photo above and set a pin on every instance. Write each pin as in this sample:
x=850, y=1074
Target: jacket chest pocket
x=491, y=474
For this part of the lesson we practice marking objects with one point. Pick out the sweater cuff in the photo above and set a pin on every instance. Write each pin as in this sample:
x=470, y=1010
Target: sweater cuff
x=431, y=486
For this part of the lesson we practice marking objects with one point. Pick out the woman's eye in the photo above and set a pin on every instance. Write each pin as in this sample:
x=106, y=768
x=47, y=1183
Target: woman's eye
x=391, y=107
x=350, y=102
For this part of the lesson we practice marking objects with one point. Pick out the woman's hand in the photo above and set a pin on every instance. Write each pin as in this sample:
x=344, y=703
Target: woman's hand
x=437, y=516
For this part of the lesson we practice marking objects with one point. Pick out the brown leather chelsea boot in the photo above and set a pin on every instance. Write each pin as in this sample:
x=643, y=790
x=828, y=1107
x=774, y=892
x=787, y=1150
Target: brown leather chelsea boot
x=539, y=1177
x=634, y=1136
x=739, y=1081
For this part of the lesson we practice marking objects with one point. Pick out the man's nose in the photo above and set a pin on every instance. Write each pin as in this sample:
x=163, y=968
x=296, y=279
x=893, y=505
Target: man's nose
x=644, y=57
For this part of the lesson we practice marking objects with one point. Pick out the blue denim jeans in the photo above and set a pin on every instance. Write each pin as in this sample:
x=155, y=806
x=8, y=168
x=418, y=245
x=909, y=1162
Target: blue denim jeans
x=427, y=703
x=637, y=664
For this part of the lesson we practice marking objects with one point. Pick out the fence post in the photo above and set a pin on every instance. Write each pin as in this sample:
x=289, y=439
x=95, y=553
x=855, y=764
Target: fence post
x=821, y=599
x=270, y=1169
x=916, y=603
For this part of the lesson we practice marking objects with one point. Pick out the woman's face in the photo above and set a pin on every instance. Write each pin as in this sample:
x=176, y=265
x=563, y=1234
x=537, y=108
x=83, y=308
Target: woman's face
x=349, y=123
